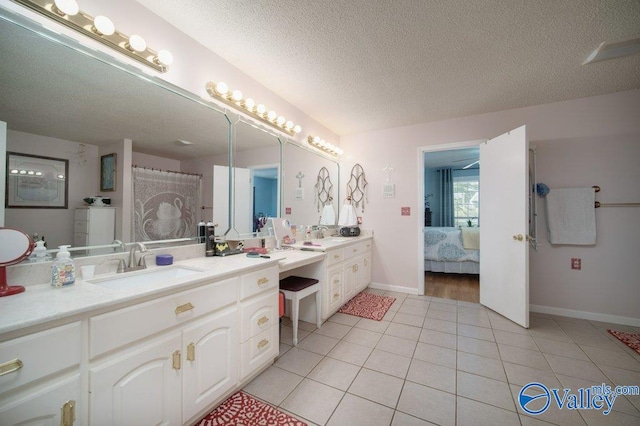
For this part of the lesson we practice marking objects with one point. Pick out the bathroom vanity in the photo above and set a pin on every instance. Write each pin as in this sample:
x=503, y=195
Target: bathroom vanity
x=119, y=349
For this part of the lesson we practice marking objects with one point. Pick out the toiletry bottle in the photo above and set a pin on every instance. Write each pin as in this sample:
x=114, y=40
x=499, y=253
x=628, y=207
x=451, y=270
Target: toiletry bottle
x=201, y=231
x=63, y=271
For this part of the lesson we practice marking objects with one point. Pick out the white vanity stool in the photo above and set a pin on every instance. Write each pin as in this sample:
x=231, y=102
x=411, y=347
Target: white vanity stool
x=295, y=289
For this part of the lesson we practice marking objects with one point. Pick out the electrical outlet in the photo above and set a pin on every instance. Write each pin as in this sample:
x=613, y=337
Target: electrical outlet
x=576, y=263
x=287, y=210
x=405, y=211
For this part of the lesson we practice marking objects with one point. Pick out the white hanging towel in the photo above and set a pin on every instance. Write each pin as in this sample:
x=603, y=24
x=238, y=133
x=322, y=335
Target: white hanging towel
x=328, y=216
x=347, y=216
x=571, y=216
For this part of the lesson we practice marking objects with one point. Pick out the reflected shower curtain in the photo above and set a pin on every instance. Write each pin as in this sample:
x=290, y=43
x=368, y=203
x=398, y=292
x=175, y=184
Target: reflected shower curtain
x=446, y=196
x=165, y=204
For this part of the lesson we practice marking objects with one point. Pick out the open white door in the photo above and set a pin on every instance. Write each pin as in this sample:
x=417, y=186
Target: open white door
x=504, y=249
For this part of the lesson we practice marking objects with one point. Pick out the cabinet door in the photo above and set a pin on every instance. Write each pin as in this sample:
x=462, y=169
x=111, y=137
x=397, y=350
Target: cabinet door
x=139, y=387
x=350, y=279
x=45, y=407
x=332, y=291
x=210, y=361
x=366, y=270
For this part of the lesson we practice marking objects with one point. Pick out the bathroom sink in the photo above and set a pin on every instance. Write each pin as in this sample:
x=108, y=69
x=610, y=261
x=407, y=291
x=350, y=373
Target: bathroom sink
x=135, y=280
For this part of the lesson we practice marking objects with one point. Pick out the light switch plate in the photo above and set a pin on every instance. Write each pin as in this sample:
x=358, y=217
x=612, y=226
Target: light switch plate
x=405, y=211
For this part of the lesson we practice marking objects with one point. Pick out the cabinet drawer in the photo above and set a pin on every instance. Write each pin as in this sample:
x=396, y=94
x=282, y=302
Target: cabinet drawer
x=80, y=226
x=114, y=329
x=80, y=239
x=353, y=250
x=82, y=214
x=258, y=315
x=257, y=282
x=39, y=354
x=334, y=256
x=258, y=351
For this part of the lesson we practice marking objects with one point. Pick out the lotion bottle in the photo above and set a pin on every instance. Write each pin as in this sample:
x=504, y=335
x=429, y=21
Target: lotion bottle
x=63, y=271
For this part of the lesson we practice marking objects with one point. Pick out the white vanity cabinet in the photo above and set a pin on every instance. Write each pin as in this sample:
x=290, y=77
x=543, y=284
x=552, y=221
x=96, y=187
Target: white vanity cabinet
x=174, y=376
x=40, y=377
x=348, y=272
x=94, y=226
x=259, y=329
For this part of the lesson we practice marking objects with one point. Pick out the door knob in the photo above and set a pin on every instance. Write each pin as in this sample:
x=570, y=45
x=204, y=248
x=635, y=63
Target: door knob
x=518, y=237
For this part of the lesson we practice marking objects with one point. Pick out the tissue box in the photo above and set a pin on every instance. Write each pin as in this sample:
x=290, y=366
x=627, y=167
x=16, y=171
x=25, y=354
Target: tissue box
x=164, y=259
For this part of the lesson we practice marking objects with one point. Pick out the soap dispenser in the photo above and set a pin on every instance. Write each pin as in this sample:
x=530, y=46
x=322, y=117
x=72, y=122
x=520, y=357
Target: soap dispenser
x=63, y=271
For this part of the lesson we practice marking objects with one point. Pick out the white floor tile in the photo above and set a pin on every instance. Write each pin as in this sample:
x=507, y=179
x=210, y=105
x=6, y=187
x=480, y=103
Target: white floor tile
x=334, y=373
x=356, y=411
x=377, y=387
x=428, y=404
x=313, y=401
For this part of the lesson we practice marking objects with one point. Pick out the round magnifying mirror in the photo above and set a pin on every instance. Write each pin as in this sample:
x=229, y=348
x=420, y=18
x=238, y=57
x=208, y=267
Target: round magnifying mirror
x=16, y=246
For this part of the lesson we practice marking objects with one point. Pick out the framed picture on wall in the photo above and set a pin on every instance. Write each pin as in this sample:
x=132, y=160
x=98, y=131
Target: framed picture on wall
x=38, y=182
x=108, y=172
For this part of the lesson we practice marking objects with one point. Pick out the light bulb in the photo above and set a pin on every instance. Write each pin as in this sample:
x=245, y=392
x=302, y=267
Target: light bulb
x=272, y=115
x=249, y=103
x=297, y=129
x=222, y=88
x=103, y=25
x=236, y=95
x=165, y=57
x=14, y=171
x=23, y=172
x=137, y=43
x=38, y=173
x=60, y=176
x=322, y=142
x=261, y=109
x=280, y=121
x=31, y=172
x=66, y=7
x=316, y=140
x=288, y=125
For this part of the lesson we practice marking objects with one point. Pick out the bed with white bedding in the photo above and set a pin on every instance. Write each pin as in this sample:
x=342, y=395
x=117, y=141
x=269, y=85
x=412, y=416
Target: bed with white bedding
x=452, y=249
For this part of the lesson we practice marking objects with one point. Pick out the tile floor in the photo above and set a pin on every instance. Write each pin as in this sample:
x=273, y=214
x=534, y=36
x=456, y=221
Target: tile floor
x=446, y=362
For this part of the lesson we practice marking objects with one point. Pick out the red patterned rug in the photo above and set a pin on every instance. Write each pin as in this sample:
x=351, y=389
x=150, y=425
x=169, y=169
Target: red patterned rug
x=241, y=409
x=368, y=305
x=630, y=339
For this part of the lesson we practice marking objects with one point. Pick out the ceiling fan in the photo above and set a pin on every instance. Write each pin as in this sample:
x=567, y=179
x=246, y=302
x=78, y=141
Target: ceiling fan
x=474, y=160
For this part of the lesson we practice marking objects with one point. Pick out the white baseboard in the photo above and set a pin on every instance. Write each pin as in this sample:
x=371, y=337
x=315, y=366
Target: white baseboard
x=396, y=288
x=593, y=316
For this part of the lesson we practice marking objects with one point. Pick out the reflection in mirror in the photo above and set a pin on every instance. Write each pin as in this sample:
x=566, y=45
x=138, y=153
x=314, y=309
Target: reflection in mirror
x=257, y=154
x=16, y=246
x=302, y=168
x=83, y=105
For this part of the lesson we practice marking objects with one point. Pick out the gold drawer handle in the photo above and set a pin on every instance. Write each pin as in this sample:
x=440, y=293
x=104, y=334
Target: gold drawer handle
x=355, y=250
x=263, y=320
x=263, y=343
x=191, y=352
x=10, y=366
x=336, y=295
x=177, y=360
x=366, y=263
x=336, y=281
x=68, y=413
x=336, y=256
x=184, y=308
x=263, y=281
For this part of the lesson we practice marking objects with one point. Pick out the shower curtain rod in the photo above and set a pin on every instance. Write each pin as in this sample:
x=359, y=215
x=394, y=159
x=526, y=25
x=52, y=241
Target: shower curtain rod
x=135, y=166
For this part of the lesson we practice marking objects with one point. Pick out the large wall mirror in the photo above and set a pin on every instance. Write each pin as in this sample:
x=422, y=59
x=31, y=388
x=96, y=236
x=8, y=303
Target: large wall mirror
x=64, y=103
x=306, y=185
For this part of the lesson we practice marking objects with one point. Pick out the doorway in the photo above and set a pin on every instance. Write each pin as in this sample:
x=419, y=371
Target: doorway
x=265, y=194
x=451, y=194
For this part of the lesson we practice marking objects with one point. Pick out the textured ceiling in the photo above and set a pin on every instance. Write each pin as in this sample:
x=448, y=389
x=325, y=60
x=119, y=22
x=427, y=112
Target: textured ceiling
x=360, y=65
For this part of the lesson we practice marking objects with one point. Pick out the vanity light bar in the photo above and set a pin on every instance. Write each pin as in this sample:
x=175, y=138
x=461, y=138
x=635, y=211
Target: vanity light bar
x=325, y=146
x=101, y=29
x=235, y=99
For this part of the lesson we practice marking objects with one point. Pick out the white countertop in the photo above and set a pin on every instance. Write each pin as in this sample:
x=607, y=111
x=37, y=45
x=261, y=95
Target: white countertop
x=329, y=243
x=43, y=303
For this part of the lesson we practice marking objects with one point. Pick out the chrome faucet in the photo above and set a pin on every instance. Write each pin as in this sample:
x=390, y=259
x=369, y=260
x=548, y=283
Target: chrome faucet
x=320, y=231
x=132, y=257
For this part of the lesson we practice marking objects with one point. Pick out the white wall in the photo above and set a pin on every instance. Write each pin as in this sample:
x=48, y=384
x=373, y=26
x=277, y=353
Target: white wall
x=591, y=123
x=155, y=162
x=55, y=224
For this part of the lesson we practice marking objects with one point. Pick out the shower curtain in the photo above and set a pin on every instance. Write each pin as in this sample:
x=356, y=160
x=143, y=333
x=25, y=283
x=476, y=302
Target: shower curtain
x=164, y=204
x=446, y=196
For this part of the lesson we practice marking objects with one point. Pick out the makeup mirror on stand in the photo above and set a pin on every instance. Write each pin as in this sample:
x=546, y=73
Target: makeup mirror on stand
x=16, y=247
